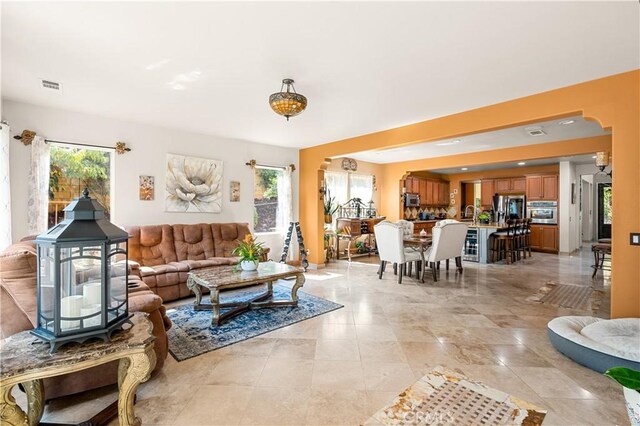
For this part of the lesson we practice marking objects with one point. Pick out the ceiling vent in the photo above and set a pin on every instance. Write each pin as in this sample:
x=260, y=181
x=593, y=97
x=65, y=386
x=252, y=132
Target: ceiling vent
x=50, y=85
x=535, y=131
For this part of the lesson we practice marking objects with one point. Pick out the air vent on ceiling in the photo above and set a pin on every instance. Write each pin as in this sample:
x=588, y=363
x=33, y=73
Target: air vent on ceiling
x=535, y=131
x=51, y=85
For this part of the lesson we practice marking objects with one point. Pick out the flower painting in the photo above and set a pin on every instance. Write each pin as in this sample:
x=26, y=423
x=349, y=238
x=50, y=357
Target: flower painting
x=193, y=184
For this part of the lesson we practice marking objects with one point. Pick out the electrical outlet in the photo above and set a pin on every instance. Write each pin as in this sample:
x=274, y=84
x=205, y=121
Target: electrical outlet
x=634, y=239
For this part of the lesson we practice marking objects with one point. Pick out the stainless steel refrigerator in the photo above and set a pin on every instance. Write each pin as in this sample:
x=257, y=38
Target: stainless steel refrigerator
x=509, y=207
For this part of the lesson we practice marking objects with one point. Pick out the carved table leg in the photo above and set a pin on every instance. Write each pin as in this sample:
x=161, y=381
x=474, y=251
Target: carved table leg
x=132, y=371
x=193, y=286
x=10, y=413
x=214, y=296
x=35, y=401
x=294, y=290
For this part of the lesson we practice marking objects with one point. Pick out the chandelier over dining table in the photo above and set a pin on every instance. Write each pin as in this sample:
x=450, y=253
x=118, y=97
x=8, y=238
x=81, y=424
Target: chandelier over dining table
x=287, y=102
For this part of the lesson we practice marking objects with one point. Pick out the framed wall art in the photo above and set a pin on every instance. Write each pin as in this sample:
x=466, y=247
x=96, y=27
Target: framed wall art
x=234, y=191
x=146, y=187
x=194, y=185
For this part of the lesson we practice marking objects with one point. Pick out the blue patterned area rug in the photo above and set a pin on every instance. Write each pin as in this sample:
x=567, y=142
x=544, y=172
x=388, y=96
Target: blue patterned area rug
x=192, y=334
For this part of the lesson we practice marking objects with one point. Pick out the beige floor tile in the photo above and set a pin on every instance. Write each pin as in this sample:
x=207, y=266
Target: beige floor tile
x=337, y=350
x=375, y=332
x=294, y=348
x=589, y=411
x=227, y=403
x=474, y=320
x=257, y=347
x=382, y=351
x=413, y=333
x=517, y=356
x=551, y=383
x=378, y=400
x=337, y=331
x=364, y=317
x=337, y=407
x=471, y=354
x=286, y=373
x=346, y=375
x=276, y=406
x=503, y=379
x=392, y=377
x=236, y=371
x=340, y=316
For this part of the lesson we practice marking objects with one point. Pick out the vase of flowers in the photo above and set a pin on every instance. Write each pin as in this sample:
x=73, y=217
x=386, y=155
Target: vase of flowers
x=249, y=251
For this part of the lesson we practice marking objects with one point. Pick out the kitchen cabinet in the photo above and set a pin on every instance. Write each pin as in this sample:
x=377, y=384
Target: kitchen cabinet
x=426, y=225
x=486, y=193
x=432, y=192
x=544, y=238
x=443, y=191
x=543, y=187
x=412, y=185
x=550, y=187
x=510, y=185
x=430, y=198
x=423, y=191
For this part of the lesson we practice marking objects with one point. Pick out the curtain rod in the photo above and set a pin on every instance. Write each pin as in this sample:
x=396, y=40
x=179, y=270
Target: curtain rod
x=27, y=137
x=253, y=163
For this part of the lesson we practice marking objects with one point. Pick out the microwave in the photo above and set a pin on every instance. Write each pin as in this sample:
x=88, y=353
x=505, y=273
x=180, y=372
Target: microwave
x=545, y=212
x=411, y=200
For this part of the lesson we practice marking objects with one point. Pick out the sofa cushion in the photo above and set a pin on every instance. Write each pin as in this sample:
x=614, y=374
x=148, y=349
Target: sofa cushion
x=227, y=236
x=152, y=245
x=193, y=242
x=212, y=261
x=18, y=267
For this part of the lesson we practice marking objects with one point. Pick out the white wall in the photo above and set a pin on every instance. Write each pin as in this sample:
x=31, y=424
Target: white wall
x=586, y=213
x=149, y=147
x=592, y=170
x=568, y=213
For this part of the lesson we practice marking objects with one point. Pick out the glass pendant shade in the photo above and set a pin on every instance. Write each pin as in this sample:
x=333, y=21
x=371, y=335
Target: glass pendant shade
x=288, y=102
x=602, y=159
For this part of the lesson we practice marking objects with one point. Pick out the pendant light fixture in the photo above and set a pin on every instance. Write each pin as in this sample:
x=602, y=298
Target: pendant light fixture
x=602, y=161
x=287, y=102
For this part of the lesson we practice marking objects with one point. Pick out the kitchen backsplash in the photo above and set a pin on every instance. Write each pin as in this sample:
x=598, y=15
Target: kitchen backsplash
x=414, y=212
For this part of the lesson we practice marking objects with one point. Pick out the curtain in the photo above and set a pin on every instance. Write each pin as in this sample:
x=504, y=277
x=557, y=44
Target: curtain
x=338, y=185
x=361, y=186
x=38, y=203
x=284, y=213
x=5, y=189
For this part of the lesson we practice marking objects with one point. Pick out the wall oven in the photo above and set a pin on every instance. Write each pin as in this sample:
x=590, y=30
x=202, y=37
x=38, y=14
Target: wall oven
x=545, y=212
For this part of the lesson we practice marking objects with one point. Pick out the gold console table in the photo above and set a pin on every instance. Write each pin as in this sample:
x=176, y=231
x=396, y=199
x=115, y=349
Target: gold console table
x=27, y=360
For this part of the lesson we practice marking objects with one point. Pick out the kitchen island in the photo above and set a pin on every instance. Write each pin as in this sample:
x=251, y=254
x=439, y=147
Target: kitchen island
x=484, y=232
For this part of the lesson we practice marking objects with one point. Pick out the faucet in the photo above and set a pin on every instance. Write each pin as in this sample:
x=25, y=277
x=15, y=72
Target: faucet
x=475, y=212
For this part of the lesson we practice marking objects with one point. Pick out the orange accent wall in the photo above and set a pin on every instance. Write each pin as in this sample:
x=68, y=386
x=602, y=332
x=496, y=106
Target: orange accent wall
x=613, y=101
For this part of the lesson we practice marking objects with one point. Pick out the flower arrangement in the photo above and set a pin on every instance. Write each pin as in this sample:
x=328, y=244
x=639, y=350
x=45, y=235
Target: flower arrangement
x=363, y=247
x=484, y=217
x=249, y=251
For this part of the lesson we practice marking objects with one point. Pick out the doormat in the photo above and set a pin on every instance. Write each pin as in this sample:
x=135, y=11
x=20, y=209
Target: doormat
x=448, y=397
x=192, y=335
x=572, y=296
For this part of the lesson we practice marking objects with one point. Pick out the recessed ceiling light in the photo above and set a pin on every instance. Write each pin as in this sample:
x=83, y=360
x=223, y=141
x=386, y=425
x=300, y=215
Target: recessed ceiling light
x=522, y=163
x=453, y=142
x=465, y=168
x=565, y=122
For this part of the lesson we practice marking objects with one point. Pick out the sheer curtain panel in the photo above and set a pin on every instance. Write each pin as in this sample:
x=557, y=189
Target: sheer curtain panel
x=338, y=185
x=284, y=213
x=5, y=189
x=361, y=186
x=38, y=203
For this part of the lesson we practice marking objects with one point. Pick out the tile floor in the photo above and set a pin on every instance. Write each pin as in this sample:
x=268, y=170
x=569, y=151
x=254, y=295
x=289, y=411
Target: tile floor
x=340, y=368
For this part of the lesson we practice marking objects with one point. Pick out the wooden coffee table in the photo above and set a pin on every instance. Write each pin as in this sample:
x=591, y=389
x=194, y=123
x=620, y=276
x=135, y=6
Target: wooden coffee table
x=217, y=278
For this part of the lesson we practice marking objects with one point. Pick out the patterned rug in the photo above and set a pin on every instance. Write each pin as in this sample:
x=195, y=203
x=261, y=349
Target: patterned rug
x=572, y=296
x=444, y=397
x=192, y=334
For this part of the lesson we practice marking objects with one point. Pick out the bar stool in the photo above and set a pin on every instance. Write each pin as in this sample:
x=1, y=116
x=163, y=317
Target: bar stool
x=504, y=243
x=527, y=235
x=600, y=251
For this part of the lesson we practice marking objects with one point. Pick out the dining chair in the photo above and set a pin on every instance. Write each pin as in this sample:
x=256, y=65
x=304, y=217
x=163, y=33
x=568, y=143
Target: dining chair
x=390, y=237
x=448, y=237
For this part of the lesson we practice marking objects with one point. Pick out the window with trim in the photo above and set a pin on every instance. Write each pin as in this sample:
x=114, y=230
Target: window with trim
x=267, y=188
x=74, y=168
x=345, y=186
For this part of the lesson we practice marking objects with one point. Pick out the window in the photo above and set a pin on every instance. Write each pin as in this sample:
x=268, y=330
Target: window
x=345, y=186
x=272, y=199
x=73, y=169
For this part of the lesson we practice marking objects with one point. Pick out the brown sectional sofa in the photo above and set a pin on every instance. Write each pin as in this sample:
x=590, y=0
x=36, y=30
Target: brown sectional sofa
x=166, y=253
x=18, y=307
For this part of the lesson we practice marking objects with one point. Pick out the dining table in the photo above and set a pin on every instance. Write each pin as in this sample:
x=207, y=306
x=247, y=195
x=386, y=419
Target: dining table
x=422, y=243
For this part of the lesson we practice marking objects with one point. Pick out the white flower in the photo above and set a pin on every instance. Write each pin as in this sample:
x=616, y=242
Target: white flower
x=194, y=184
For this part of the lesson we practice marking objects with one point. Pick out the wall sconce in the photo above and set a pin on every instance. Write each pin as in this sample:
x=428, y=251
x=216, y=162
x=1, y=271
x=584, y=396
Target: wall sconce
x=602, y=161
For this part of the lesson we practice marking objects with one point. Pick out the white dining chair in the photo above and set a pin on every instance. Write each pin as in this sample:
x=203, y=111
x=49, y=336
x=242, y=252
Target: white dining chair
x=448, y=237
x=389, y=238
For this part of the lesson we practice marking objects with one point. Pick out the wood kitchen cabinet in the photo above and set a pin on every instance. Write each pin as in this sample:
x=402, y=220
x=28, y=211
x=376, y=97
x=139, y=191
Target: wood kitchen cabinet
x=423, y=191
x=544, y=238
x=430, y=200
x=510, y=185
x=519, y=184
x=444, y=193
x=486, y=193
x=432, y=192
x=502, y=185
x=412, y=185
x=542, y=187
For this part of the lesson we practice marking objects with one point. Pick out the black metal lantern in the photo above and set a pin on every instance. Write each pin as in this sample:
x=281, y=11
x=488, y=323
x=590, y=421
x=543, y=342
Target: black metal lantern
x=82, y=276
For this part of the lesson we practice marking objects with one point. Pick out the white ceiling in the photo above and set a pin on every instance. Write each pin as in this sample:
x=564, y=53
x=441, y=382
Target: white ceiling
x=576, y=159
x=209, y=67
x=499, y=139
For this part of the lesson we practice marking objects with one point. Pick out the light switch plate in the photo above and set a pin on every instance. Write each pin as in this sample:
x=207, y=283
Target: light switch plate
x=634, y=239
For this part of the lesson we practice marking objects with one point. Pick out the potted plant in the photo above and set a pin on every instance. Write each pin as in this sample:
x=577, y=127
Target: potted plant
x=484, y=217
x=630, y=381
x=249, y=251
x=330, y=207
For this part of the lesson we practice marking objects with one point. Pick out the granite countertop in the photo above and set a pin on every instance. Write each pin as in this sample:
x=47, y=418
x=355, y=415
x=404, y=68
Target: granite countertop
x=492, y=225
